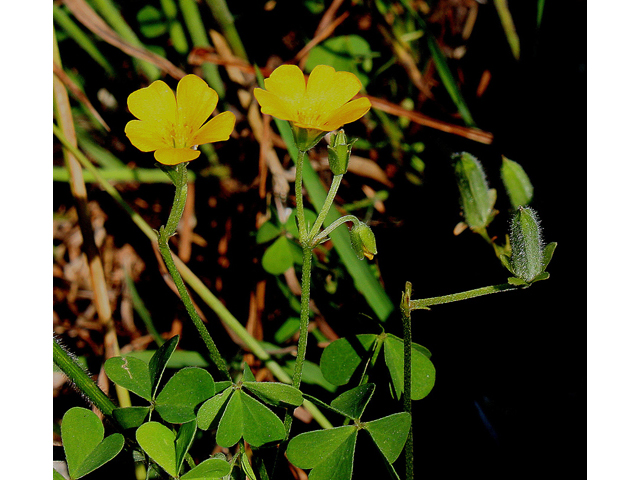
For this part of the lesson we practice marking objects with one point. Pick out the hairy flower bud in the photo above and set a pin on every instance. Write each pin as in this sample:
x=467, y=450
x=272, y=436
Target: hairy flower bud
x=526, y=245
x=476, y=198
x=363, y=241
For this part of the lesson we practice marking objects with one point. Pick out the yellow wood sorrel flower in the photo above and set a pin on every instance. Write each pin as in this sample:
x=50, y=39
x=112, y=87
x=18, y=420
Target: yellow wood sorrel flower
x=173, y=126
x=313, y=107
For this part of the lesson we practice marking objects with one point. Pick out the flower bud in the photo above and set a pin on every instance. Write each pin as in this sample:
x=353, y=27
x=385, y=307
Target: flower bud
x=527, y=255
x=476, y=198
x=363, y=241
x=339, y=151
x=516, y=183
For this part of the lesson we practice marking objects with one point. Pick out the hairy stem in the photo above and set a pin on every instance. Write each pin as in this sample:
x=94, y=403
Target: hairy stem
x=81, y=380
x=406, y=326
x=425, y=303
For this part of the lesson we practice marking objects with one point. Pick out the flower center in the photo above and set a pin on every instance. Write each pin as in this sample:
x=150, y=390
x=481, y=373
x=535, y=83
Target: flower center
x=180, y=134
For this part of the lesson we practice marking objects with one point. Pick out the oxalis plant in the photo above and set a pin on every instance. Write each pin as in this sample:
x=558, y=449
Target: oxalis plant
x=251, y=421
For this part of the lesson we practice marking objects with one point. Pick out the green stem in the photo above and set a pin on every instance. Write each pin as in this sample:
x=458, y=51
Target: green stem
x=326, y=206
x=302, y=224
x=81, y=380
x=307, y=254
x=193, y=281
x=325, y=233
x=425, y=303
x=167, y=231
x=406, y=326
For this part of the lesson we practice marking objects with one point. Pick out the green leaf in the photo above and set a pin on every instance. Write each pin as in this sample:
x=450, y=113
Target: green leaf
x=82, y=438
x=247, y=375
x=353, y=402
x=183, y=392
x=231, y=424
x=423, y=373
x=158, y=442
x=278, y=258
x=267, y=232
x=246, y=417
x=57, y=475
x=310, y=449
x=130, y=373
x=131, y=417
x=210, y=469
x=211, y=410
x=516, y=183
x=390, y=434
x=246, y=466
x=341, y=358
x=186, y=434
x=274, y=393
x=151, y=22
x=260, y=425
x=328, y=452
x=159, y=361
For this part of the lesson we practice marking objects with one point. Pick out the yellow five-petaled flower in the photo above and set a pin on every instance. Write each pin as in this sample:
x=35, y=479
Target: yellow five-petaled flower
x=321, y=104
x=173, y=126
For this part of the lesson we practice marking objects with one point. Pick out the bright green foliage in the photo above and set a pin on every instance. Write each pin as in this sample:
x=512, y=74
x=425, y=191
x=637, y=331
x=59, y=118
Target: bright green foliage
x=84, y=446
x=329, y=453
x=177, y=401
x=342, y=358
x=169, y=450
x=237, y=414
x=325, y=448
x=184, y=391
x=516, y=182
x=423, y=373
x=389, y=434
x=476, y=198
x=353, y=402
x=278, y=257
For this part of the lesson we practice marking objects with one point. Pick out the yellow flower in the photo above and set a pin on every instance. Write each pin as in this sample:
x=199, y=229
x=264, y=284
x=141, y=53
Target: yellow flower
x=173, y=127
x=321, y=104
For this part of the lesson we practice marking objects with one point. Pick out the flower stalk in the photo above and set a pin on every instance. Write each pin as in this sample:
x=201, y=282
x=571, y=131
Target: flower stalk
x=179, y=177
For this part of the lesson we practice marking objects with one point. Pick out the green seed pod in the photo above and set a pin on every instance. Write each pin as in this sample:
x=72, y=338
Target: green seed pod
x=476, y=198
x=527, y=257
x=516, y=182
x=363, y=241
x=339, y=151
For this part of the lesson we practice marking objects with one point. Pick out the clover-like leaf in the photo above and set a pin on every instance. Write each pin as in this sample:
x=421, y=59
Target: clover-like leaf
x=210, y=469
x=423, y=373
x=211, y=411
x=130, y=373
x=84, y=447
x=342, y=357
x=390, y=434
x=159, y=443
x=246, y=417
x=329, y=453
x=278, y=258
x=188, y=388
x=353, y=402
x=131, y=417
x=275, y=393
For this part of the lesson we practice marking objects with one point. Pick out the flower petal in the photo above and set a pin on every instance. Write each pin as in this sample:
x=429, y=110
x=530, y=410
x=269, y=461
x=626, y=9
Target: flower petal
x=155, y=103
x=285, y=87
x=271, y=104
x=145, y=136
x=215, y=130
x=173, y=156
x=328, y=90
x=195, y=101
x=348, y=113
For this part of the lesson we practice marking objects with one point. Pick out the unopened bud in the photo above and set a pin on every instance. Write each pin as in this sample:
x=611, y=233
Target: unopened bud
x=527, y=257
x=339, y=151
x=476, y=198
x=363, y=241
